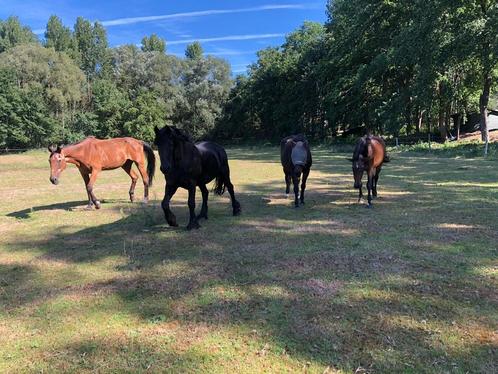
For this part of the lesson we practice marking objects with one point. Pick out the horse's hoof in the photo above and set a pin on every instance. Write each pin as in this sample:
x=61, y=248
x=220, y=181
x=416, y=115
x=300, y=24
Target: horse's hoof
x=237, y=212
x=97, y=204
x=201, y=216
x=302, y=202
x=369, y=206
x=173, y=224
x=193, y=225
x=146, y=201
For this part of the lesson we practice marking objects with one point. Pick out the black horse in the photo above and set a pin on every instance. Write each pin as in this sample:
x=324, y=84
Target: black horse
x=295, y=156
x=188, y=165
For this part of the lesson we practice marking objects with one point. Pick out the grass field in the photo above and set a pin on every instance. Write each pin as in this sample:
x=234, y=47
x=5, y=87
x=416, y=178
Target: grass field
x=409, y=286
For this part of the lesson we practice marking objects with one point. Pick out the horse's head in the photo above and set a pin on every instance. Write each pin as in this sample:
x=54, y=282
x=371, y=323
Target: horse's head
x=359, y=167
x=360, y=160
x=57, y=162
x=165, y=140
x=299, y=156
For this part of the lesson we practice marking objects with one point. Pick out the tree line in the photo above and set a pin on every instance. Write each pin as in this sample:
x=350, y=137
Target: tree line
x=388, y=67
x=72, y=84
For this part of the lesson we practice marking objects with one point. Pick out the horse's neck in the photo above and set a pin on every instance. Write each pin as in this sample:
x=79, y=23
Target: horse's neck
x=73, y=154
x=180, y=151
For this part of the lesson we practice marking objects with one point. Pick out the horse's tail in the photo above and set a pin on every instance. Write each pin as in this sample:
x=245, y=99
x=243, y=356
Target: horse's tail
x=151, y=162
x=219, y=185
x=220, y=182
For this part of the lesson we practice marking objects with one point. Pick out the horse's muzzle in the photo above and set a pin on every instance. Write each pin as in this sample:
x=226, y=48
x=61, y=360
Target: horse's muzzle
x=54, y=180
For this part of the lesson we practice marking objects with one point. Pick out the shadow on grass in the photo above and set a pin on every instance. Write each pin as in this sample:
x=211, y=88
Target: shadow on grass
x=390, y=290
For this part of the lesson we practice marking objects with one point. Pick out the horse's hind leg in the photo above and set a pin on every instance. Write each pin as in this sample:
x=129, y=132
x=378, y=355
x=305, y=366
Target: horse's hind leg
x=204, y=209
x=89, y=188
x=376, y=180
x=192, y=224
x=128, y=168
x=287, y=183
x=228, y=183
x=145, y=178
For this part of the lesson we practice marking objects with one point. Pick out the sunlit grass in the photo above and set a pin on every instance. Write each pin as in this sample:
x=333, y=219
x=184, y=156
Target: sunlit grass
x=409, y=286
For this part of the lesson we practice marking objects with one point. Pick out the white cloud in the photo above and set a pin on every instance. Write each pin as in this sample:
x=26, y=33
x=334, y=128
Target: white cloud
x=226, y=38
x=202, y=13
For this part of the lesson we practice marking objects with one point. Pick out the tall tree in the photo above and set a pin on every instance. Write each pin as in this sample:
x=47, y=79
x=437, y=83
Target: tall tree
x=58, y=36
x=13, y=33
x=153, y=43
x=194, y=51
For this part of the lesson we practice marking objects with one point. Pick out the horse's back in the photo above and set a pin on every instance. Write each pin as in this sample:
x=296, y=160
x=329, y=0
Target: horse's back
x=113, y=153
x=378, y=150
x=213, y=160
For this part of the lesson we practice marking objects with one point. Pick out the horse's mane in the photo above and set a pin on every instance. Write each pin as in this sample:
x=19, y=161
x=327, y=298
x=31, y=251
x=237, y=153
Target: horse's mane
x=177, y=134
x=294, y=138
x=78, y=142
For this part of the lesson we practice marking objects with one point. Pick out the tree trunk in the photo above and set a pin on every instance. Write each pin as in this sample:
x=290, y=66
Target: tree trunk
x=457, y=118
x=483, y=106
x=419, y=121
x=442, y=126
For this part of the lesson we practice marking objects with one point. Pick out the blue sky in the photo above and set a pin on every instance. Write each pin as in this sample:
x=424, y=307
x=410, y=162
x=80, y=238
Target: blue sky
x=231, y=29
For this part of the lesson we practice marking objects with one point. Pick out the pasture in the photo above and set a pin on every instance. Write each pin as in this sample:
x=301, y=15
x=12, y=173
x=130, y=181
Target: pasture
x=408, y=286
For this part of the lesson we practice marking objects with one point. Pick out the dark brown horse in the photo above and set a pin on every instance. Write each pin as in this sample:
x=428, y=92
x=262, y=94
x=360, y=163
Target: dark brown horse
x=92, y=155
x=295, y=156
x=188, y=165
x=369, y=155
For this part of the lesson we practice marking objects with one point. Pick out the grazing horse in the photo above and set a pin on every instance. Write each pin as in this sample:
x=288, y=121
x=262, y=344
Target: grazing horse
x=188, y=165
x=92, y=155
x=369, y=155
x=295, y=156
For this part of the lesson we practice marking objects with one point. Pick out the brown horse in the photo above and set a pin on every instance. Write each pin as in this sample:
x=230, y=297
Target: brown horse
x=92, y=155
x=369, y=155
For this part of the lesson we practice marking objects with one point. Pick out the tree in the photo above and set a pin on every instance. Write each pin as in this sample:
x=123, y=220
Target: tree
x=92, y=45
x=194, y=51
x=50, y=78
x=153, y=43
x=12, y=33
x=58, y=36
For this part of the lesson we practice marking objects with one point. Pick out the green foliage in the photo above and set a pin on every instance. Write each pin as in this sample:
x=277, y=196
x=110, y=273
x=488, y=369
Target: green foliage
x=194, y=51
x=74, y=86
x=13, y=33
x=144, y=113
x=153, y=43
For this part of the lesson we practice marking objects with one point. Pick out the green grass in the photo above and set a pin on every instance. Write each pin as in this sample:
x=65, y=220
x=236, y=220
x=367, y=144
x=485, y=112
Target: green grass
x=409, y=286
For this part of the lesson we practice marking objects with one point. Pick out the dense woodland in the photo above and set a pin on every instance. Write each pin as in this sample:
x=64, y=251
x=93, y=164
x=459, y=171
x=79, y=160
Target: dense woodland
x=390, y=67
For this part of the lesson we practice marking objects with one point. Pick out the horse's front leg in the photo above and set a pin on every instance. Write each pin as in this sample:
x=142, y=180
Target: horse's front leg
x=369, y=188
x=295, y=181
x=89, y=187
x=287, y=183
x=306, y=173
x=360, y=193
x=168, y=214
x=192, y=224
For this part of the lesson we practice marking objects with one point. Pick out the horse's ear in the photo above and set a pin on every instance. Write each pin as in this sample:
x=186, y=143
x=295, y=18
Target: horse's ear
x=52, y=148
x=156, y=129
x=59, y=148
